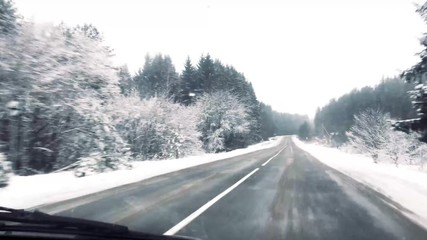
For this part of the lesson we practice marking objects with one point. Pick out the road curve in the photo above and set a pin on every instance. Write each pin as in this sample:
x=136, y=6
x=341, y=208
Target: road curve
x=277, y=193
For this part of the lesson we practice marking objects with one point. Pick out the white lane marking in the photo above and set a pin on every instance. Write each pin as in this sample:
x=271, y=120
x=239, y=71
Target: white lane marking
x=207, y=205
x=266, y=162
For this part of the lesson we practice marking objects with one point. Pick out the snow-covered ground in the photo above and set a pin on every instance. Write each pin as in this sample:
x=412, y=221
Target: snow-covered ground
x=405, y=185
x=30, y=191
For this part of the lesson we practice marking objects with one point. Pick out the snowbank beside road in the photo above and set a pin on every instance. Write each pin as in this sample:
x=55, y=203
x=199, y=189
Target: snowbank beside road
x=30, y=191
x=404, y=185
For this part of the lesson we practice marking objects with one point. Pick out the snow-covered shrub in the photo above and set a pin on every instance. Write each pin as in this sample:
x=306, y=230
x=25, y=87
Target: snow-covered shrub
x=156, y=128
x=421, y=155
x=102, y=161
x=417, y=151
x=5, y=170
x=105, y=148
x=222, y=118
x=370, y=131
x=397, y=146
x=372, y=134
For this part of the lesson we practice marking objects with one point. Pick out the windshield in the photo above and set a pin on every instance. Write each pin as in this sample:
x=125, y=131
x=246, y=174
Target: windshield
x=217, y=119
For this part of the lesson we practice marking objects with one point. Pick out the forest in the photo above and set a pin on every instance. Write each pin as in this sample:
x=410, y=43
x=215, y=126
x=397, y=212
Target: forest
x=390, y=96
x=366, y=121
x=386, y=122
x=65, y=105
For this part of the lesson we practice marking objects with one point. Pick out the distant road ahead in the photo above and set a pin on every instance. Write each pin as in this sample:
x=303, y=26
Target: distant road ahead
x=277, y=193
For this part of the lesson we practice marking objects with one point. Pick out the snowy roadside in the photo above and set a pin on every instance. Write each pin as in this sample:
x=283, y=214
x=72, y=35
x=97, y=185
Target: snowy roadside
x=405, y=185
x=30, y=191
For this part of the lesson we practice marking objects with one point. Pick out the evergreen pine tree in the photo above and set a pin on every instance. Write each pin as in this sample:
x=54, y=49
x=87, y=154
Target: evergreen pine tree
x=205, y=74
x=188, y=84
x=416, y=75
x=304, y=131
x=157, y=78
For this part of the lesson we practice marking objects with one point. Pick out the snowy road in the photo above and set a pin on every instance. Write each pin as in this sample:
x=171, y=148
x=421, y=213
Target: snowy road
x=276, y=193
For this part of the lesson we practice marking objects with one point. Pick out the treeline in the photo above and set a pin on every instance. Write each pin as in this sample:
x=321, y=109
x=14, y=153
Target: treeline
x=159, y=78
x=276, y=123
x=390, y=96
x=64, y=105
x=362, y=122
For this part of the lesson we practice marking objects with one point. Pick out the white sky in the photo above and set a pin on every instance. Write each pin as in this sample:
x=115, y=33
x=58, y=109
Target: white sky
x=298, y=54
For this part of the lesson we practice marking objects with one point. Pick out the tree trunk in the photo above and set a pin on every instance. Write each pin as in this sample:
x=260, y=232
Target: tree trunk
x=13, y=154
x=24, y=146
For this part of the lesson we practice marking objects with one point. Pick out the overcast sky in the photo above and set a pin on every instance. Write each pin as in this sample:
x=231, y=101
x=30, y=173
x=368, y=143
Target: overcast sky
x=298, y=54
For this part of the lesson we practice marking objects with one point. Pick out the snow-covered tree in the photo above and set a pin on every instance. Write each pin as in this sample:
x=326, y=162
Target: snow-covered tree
x=127, y=84
x=420, y=154
x=417, y=74
x=397, y=146
x=5, y=170
x=370, y=131
x=156, y=128
x=222, y=118
x=372, y=134
x=8, y=17
x=304, y=131
x=158, y=77
x=102, y=148
x=59, y=81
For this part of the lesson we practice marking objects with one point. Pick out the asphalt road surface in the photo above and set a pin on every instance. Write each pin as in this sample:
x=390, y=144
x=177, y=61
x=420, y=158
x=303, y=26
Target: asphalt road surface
x=277, y=193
